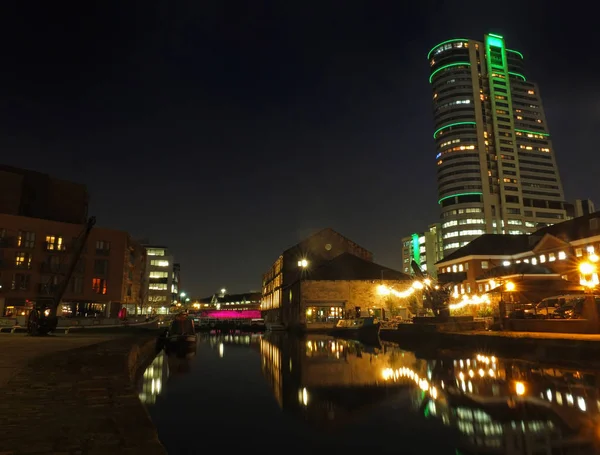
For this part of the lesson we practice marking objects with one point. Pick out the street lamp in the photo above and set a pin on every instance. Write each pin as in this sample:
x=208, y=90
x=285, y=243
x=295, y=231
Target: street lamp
x=510, y=286
x=303, y=263
x=589, y=272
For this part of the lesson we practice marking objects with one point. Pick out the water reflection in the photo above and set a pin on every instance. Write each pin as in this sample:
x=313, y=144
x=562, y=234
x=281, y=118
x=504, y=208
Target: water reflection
x=325, y=379
x=220, y=340
x=495, y=405
x=167, y=365
x=155, y=375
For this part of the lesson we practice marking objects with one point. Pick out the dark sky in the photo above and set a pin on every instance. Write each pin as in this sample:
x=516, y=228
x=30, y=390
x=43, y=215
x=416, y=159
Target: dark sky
x=229, y=130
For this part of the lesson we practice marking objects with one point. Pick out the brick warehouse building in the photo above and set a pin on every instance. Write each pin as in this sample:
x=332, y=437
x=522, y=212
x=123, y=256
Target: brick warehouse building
x=321, y=279
x=35, y=253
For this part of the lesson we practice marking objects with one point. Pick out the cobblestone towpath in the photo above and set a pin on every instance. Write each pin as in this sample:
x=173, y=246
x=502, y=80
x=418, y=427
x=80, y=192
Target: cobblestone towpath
x=74, y=395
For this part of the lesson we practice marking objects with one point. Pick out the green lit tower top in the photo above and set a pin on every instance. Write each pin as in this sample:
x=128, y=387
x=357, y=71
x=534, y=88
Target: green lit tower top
x=496, y=169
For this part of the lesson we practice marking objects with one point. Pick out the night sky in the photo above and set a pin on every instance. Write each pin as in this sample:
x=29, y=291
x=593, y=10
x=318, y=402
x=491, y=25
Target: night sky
x=229, y=131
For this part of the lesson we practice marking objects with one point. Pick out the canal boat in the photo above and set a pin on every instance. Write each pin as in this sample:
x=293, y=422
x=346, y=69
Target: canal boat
x=180, y=334
x=365, y=329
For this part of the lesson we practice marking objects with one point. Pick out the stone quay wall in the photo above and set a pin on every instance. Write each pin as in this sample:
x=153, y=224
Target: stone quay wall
x=82, y=401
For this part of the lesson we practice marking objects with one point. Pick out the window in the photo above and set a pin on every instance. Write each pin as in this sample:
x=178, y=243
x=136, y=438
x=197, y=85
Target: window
x=22, y=260
x=99, y=285
x=20, y=282
x=484, y=264
x=76, y=284
x=54, y=242
x=157, y=298
x=324, y=314
x=26, y=239
x=100, y=266
x=562, y=255
x=159, y=263
x=578, y=252
x=102, y=247
x=156, y=252
x=159, y=274
x=158, y=286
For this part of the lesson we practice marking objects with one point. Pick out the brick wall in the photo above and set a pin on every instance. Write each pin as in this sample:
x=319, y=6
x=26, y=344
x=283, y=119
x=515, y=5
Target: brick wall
x=363, y=294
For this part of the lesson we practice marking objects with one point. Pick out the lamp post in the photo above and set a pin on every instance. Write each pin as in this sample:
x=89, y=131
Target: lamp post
x=589, y=280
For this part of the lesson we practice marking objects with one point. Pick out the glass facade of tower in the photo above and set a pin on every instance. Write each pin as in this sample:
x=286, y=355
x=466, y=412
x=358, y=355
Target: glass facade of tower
x=496, y=169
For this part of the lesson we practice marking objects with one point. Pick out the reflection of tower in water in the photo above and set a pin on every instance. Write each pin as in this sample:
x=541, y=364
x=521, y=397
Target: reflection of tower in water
x=507, y=406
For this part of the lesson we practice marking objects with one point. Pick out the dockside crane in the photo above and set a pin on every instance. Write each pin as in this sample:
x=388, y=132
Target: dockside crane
x=436, y=294
x=43, y=318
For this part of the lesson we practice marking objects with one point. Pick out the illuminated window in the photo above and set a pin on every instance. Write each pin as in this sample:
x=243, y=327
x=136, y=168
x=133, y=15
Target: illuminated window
x=551, y=257
x=542, y=258
x=562, y=255
x=158, y=286
x=99, y=285
x=22, y=260
x=578, y=252
x=25, y=239
x=484, y=264
x=534, y=261
x=159, y=263
x=54, y=242
x=155, y=274
x=156, y=252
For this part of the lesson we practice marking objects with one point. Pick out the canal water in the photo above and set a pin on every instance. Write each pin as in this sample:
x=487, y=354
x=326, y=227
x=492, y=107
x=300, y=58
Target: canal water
x=280, y=393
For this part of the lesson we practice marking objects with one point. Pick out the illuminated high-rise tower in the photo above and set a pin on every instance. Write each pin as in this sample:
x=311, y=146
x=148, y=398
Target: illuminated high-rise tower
x=496, y=169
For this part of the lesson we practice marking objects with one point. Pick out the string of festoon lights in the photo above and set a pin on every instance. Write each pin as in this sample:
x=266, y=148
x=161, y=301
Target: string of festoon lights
x=463, y=300
x=382, y=289
x=469, y=300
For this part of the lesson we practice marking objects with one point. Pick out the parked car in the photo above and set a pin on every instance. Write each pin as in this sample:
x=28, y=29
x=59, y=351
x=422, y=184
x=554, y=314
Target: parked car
x=573, y=308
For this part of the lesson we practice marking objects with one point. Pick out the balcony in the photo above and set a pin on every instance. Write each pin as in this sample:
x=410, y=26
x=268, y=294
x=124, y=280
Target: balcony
x=13, y=266
x=48, y=246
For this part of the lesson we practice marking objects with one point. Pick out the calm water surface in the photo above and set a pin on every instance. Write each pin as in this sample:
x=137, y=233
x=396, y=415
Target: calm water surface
x=274, y=392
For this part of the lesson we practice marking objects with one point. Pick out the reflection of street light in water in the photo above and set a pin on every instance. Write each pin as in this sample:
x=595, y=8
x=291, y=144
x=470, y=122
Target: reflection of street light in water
x=221, y=350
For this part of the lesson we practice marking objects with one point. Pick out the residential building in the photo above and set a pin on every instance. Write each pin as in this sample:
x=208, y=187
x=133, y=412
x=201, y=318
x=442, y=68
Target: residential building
x=35, y=255
x=160, y=291
x=584, y=207
x=297, y=260
x=496, y=167
x=550, y=256
x=36, y=195
x=425, y=248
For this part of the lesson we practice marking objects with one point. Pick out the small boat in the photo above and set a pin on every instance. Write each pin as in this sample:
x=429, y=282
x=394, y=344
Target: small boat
x=180, y=334
x=364, y=329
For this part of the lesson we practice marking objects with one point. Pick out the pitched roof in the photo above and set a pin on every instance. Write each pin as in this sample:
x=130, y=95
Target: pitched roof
x=522, y=268
x=577, y=228
x=324, y=233
x=491, y=245
x=347, y=266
